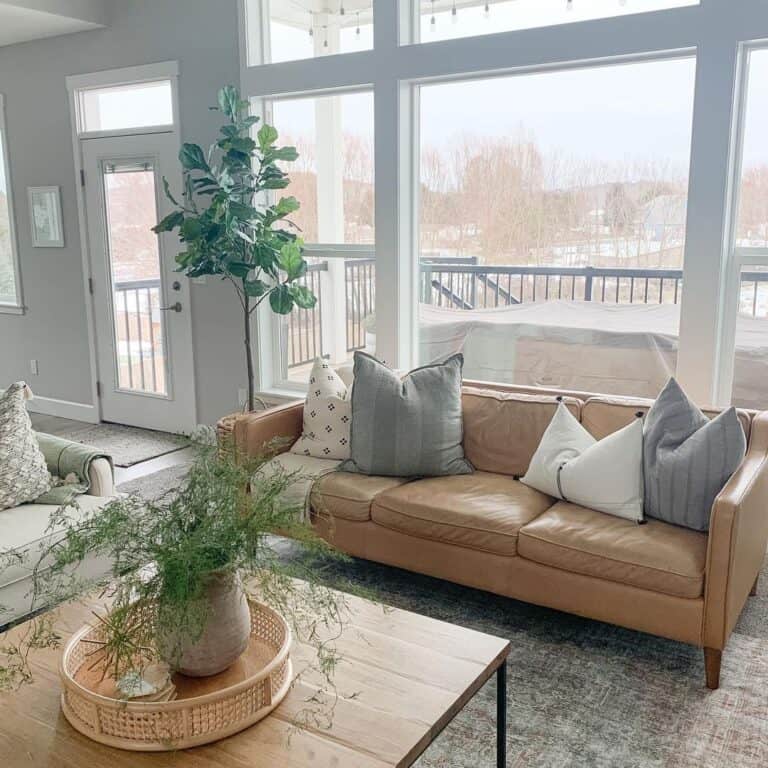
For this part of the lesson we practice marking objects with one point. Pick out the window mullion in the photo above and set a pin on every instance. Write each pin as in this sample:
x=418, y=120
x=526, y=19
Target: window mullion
x=704, y=266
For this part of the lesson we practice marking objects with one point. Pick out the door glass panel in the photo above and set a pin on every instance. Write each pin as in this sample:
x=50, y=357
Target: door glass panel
x=134, y=254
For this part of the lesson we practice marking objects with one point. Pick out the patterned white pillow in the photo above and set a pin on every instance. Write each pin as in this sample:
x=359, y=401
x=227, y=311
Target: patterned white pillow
x=23, y=472
x=327, y=416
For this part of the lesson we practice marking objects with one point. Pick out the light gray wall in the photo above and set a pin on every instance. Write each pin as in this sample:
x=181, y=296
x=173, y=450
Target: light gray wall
x=202, y=36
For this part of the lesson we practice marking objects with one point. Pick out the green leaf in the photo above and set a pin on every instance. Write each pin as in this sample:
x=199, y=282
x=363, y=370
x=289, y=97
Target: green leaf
x=244, y=144
x=267, y=136
x=287, y=154
x=291, y=261
x=191, y=229
x=303, y=297
x=170, y=222
x=242, y=211
x=192, y=158
x=168, y=194
x=255, y=288
x=229, y=101
x=239, y=268
x=285, y=206
x=281, y=300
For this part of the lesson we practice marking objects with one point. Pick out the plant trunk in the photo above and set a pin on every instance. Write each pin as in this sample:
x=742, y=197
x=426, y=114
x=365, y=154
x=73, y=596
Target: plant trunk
x=248, y=351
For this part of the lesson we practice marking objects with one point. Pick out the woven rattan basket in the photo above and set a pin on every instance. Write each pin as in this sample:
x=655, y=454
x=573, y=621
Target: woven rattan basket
x=206, y=709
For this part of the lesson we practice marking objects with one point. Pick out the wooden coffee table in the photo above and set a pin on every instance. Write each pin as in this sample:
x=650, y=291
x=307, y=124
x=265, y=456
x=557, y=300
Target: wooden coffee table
x=402, y=679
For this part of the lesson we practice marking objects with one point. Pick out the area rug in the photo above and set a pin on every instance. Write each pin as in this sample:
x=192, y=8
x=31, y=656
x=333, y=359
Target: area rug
x=126, y=445
x=581, y=694
x=157, y=484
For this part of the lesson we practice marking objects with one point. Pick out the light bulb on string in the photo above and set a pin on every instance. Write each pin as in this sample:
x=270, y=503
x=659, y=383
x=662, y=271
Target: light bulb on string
x=433, y=20
x=325, y=42
x=454, y=14
x=487, y=10
x=311, y=25
x=342, y=10
x=569, y=5
x=357, y=31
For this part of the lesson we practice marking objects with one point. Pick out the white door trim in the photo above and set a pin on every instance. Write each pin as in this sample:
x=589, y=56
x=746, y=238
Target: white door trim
x=141, y=73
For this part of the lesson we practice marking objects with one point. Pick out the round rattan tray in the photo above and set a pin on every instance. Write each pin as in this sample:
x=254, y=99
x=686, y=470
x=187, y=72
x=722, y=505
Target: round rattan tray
x=205, y=710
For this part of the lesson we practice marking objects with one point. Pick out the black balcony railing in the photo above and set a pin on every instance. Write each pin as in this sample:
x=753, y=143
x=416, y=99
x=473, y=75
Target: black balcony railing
x=465, y=284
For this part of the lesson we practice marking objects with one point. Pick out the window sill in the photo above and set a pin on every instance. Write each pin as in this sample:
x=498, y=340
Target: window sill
x=11, y=309
x=281, y=394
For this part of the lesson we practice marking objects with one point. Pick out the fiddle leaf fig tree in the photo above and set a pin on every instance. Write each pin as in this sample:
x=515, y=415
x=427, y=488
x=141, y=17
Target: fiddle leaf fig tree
x=228, y=226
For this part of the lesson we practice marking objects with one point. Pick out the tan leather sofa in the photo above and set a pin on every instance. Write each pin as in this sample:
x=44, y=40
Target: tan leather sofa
x=487, y=530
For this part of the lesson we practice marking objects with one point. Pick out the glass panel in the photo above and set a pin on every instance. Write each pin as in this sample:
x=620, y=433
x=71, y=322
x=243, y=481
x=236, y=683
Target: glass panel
x=136, y=278
x=304, y=29
x=752, y=227
x=333, y=177
x=7, y=257
x=552, y=224
x=123, y=107
x=449, y=19
x=342, y=321
x=750, y=375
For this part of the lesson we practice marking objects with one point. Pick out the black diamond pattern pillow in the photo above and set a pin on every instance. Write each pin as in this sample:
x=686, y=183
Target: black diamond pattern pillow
x=23, y=472
x=327, y=416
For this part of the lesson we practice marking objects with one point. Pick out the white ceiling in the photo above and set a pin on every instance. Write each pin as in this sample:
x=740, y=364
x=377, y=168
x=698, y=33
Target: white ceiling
x=20, y=23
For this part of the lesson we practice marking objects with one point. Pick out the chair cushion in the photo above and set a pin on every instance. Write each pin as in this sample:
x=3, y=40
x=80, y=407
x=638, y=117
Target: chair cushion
x=349, y=495
x=482, y=511
x=655, y=556
x=23, y=530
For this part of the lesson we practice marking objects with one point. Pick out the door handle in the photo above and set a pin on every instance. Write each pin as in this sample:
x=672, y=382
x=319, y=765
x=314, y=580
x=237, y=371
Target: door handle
x=173, y=308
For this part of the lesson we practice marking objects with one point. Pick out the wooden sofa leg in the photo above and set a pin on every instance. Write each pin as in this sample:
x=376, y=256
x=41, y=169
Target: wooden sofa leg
x=753, y=592
x=712, y=659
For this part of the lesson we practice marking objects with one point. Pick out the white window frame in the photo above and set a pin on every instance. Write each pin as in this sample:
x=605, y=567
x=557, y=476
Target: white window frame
x=16, y=307
x=713, y=29
x=275, y=383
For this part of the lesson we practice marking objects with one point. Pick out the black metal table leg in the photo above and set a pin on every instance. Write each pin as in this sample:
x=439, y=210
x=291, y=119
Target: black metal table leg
x=501, y=716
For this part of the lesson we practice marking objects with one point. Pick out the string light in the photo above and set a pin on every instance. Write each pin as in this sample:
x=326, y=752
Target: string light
x=569, y=5
x=487, y=10
x=454, y=14
x=325, y=42
x=433, y=20
x=357, y=31
x=342, y=10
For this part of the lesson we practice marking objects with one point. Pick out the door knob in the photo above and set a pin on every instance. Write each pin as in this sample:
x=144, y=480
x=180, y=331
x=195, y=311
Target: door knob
x=173, y=308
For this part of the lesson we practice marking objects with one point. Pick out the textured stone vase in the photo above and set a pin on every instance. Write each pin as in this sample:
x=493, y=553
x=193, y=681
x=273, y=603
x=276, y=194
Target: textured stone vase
x=227, y=630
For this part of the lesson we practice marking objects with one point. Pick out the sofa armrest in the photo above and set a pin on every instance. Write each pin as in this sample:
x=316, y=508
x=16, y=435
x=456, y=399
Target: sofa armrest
x=102, y=478
x=738, y=536
x=253, y=432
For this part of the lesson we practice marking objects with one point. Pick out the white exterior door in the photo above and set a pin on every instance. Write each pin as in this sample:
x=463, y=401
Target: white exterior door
x=141, y=306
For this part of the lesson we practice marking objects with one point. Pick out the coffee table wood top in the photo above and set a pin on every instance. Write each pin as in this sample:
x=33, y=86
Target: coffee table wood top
x=402, y=678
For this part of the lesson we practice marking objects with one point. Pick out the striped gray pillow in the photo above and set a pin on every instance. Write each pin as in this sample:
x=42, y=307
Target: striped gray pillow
x=409, y=427
x=687, y=458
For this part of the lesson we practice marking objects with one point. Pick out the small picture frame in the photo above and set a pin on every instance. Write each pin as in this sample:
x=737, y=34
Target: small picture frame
x=45, y=216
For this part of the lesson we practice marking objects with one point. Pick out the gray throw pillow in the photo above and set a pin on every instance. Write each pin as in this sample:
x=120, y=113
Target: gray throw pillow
x=687, y=458
x=409, y=427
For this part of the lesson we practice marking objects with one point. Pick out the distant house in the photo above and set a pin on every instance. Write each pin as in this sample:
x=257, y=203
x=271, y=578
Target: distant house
x=664, y=216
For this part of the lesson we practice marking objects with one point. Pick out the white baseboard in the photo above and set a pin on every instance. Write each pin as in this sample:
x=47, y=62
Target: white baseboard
x=66, y=409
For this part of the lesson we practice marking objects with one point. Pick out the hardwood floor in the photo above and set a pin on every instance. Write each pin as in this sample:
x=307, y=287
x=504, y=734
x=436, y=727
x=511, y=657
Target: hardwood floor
x=55, y=425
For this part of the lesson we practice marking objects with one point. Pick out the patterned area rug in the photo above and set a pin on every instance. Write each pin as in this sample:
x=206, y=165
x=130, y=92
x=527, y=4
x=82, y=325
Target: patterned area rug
x=126, y=445
x=581, y=694
x=157, y=484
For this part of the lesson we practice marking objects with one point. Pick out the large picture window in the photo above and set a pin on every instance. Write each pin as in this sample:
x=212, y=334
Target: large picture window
x=451, y=19
x=333, y=180
x=558, y=201
x=286, y=30
x=9, y=276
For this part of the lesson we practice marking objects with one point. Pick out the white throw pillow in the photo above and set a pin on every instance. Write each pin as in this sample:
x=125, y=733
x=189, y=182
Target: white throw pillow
x=327, y=416
x=23, y=472
x=571, y=465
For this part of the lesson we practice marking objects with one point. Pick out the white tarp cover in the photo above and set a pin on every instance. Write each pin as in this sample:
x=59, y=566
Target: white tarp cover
x=620, y=349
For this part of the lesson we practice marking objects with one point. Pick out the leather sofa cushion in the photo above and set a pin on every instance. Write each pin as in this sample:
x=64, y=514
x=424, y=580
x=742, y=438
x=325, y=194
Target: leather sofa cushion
x=656, y=556
x=601, y=416
x=349, y=495
x=502, y=430
x=482, y=511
